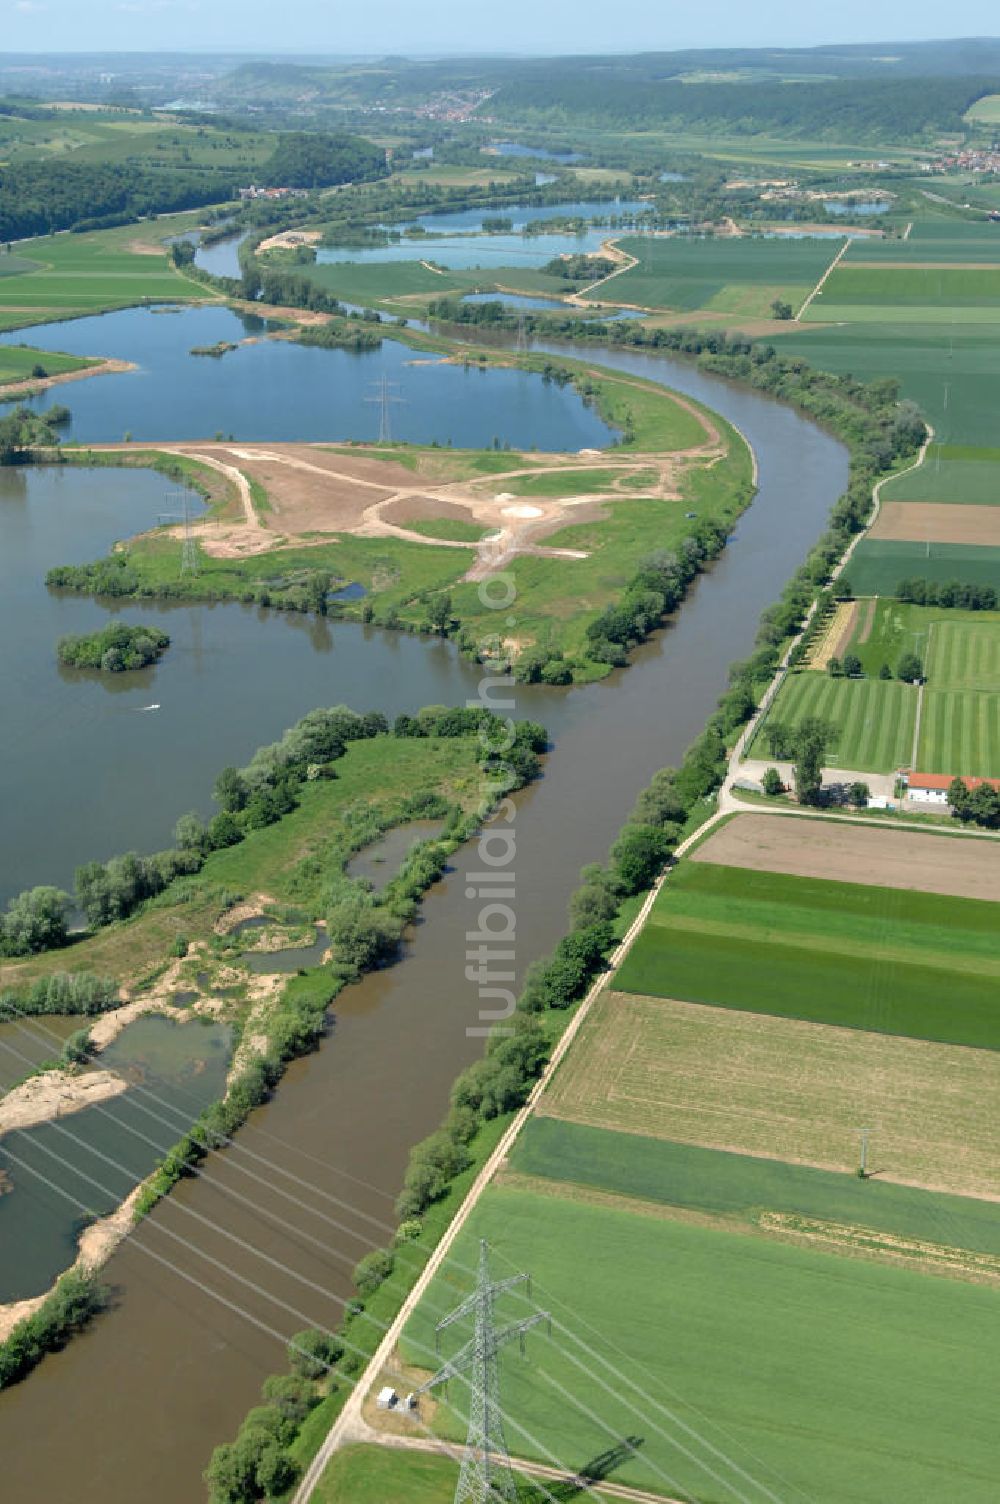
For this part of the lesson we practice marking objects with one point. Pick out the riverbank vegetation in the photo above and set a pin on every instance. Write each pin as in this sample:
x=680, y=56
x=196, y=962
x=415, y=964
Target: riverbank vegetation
x=115, y=649
x=294, y=821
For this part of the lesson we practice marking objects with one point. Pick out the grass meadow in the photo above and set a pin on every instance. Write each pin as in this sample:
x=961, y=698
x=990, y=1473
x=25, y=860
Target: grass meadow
x=744, y=1185
x=279, y=859
x=17, y=364
x=839, y=1379
x=953, y=249
x=889, y=960
x=874, y=718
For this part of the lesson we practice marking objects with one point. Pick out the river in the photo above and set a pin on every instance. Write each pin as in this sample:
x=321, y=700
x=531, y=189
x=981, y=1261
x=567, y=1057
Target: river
x=142, y=1397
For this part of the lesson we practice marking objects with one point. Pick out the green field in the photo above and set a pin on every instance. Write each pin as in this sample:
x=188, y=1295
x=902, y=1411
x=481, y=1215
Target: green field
x=87, y=273
x=890, y=288
x=944, y=479
x=17, y=363
x=726, y=275
x=878, y=564
x=744, y=1185
x=952, y=373
x=953, y=249
x=838, y=1379
x=889, y=960
x=874, y=718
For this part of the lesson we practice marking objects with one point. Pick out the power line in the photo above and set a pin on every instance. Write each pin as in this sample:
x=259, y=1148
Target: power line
x=486, y=1471
x=386, y=394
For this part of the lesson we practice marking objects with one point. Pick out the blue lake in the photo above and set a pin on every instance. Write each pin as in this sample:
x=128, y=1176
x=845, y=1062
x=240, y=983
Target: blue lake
x=277, y=389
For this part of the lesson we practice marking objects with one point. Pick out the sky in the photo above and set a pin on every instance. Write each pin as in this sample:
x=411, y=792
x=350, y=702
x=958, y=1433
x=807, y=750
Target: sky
x=428, y=26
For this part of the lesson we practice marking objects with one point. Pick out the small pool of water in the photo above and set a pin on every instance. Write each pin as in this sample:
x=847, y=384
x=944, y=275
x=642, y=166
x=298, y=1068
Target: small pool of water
x=515, y=149
x=379, y=862
x=290, y=958
x=354, y=591
x=514, y=300
x=873, y=206
x=55, y=1176
x=26, y=1042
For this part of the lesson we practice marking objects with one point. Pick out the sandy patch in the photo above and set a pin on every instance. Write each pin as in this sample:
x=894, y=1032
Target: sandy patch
x=287, y=240
x=965, y=868
x=521, y=510
x=934, y=522
x=55, y=1094
x=786, y=1089
x=837, y=635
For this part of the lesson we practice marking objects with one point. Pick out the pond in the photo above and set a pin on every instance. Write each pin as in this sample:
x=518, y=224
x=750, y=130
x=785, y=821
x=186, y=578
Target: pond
x=379, y=862
x=63, y=1174
x=516, y=149
x=278, y=389
x=26, y=1042
x=865, y=207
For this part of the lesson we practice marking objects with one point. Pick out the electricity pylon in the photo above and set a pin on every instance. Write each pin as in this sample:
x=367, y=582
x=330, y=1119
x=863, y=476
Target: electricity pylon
x=189, y=550
x=486, y=1476
x=385, y=396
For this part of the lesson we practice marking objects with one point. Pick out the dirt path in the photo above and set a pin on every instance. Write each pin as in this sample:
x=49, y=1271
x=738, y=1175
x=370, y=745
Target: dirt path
x=819, y=285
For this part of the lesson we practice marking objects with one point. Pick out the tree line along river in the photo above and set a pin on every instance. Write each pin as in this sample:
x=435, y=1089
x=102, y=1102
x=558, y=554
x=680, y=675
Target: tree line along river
x=165, y=1375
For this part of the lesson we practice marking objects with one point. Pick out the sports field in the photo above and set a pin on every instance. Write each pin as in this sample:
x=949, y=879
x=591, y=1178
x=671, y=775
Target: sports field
x=883, y=959
x=960, y=733
x=745, y=1185
x=786, y=1089
x=965, y=653
x=874, y=718
x=778, y=1356
x=877, y=565
x=725, y=275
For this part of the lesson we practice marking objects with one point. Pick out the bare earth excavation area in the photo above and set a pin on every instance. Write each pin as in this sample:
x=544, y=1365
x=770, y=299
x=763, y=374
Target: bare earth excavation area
x=856, y=854
x=314, y=491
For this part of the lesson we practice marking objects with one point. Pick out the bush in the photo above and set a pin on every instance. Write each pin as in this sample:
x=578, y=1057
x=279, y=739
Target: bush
x=771, y=782
x=373, y=1270
x=313, y=1353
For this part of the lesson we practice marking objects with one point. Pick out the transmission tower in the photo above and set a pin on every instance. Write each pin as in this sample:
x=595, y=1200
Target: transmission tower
x=189, y=550
x=486, y=1476
x=386, y=393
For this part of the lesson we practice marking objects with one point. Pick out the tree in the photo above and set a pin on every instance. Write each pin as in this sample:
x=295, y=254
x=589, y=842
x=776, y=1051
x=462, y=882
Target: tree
x=852, y=666
x=373, y=1270
x=885, y=672
x=189, y=832
x=958, y=798
x=811, y=737
x=36, y=920
x=780, y=738
x=771, y=782
x=909, y=668
x=781, y=310
x=859, y=795
x=639, y=854
x=439, y=613
x=231, y=790
x=834, y=668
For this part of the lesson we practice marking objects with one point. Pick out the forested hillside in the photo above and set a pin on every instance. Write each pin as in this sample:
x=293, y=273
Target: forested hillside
x=323, y=160
x=891, y=109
